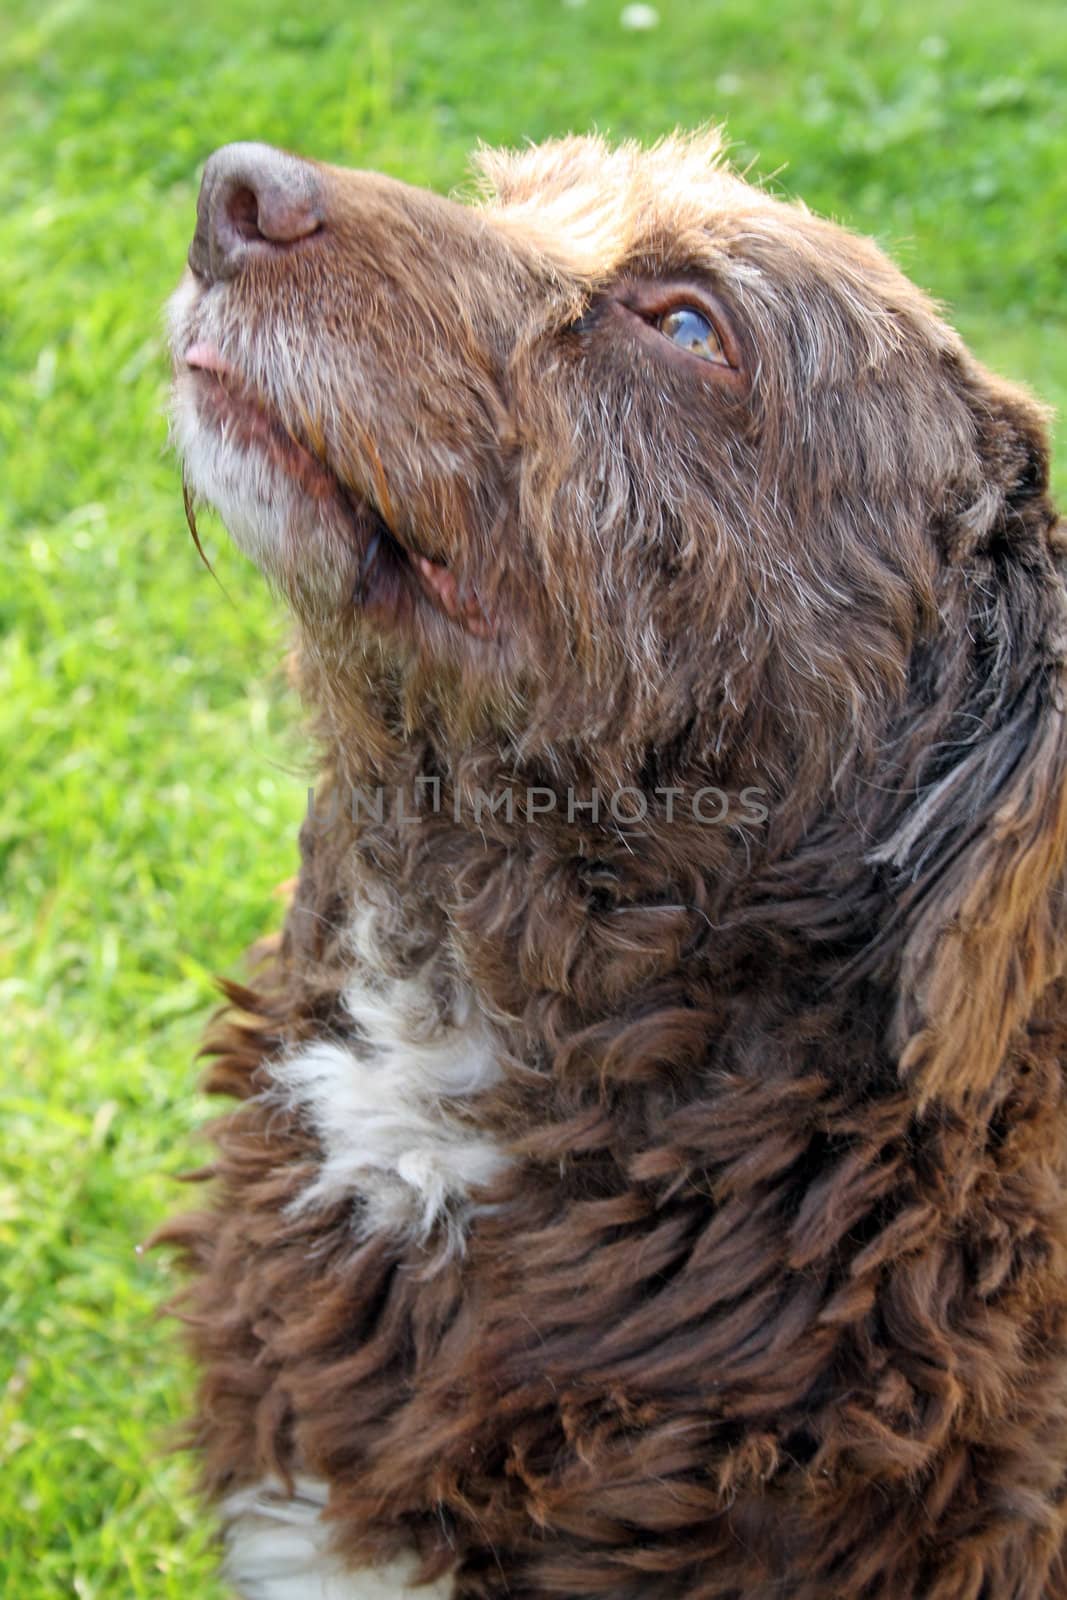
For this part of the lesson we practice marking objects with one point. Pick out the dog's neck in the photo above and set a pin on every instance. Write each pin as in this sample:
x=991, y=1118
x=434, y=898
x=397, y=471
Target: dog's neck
x=566, y=921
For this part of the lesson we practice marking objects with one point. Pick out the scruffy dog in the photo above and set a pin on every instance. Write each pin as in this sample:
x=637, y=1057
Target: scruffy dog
x=648, y=1172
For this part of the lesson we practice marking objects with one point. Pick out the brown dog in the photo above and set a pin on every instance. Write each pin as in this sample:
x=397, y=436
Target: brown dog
x=649, y=1173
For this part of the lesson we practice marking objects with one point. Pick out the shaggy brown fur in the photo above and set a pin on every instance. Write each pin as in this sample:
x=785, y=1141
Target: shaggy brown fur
x=771, y=1299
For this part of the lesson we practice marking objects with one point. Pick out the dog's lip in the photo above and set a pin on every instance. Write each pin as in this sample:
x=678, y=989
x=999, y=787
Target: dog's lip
x=458, y=604
x=205, y=357
x=435, y=579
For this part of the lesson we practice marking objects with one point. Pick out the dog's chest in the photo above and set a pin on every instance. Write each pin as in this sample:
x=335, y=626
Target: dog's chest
x=390, y=1097
x=278, y=1548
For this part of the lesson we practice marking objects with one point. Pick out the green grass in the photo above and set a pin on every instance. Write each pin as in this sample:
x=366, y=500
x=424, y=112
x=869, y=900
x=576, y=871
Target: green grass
x=152, y=773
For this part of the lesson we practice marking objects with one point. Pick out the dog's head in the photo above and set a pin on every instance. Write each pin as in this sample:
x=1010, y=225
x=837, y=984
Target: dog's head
x=631, y=457
x=630, y=440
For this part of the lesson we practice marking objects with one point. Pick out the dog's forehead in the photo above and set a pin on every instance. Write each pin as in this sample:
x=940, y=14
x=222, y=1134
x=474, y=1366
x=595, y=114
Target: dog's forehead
x=590, y=208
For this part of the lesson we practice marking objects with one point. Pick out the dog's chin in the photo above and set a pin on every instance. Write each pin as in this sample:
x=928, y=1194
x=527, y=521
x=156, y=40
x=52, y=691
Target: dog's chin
x=326, y=548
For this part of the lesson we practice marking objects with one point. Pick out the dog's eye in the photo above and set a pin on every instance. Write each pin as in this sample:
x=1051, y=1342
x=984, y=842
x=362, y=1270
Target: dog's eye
x=691, y=330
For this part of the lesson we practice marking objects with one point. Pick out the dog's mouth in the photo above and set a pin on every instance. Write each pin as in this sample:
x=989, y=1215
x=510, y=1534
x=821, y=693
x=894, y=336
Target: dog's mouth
x=392, y=575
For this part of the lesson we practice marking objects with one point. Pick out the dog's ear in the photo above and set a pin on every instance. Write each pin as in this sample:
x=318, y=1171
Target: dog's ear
x=977, y=861
x=1001, y=499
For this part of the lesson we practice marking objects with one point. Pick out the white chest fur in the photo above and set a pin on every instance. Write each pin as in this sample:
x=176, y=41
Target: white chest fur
x=277, y=1548
x=389, y=1108
x=388, y=1111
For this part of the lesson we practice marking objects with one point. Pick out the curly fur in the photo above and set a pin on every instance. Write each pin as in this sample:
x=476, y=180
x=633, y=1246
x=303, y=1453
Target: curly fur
x=760, y=1288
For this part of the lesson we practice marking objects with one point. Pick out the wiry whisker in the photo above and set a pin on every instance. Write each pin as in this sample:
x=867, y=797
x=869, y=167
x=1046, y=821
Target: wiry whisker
x=385, y=503
x=366, y=568
x=190, y=517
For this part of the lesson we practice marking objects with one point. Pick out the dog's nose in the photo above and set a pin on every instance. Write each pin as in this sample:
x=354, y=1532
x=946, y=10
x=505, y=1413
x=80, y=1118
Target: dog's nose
x=253, y=200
